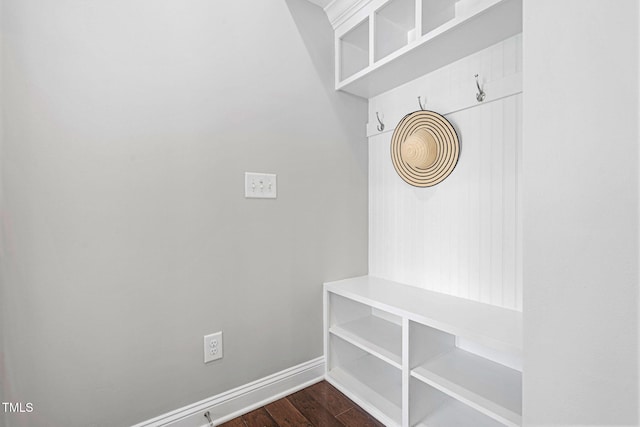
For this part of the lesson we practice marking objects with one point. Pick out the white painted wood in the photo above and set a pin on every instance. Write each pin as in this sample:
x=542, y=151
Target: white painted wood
x=505, y=358
x=423, y=401
x=372, y=384
x=373, y=24
x=400, y=12
x=354, y=51
x=240, y=400
x=445, y=44
x=342, y=13
x=438, y=12
x=462, y=237
x=430, y=408
x=377, y=361
x=378, y=337
x=486, y=386
x=494, y=326
x=393, y=21
x=344, y=310
x=454, y=413
x=418, y=15
x=405, y=99
x=464, y=7
x=427, y=343
x=343, y=353
x=326, y=324
x=360, y=12
x=406, y=371
x=387, y=316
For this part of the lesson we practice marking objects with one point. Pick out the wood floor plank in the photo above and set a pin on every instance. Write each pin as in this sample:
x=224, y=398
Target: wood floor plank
x=329, y=397
x=286, y=415
x=259, y=418
x=313, y=410
x=320, y=405
x=236, y=422
x=356, y=417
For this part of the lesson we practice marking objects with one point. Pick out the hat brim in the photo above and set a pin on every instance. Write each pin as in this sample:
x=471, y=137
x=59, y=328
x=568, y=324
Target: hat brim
x=448, y=147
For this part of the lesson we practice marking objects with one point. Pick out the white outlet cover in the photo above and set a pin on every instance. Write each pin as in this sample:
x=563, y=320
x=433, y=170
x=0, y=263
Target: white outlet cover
x=212, y=347
x=260, y=185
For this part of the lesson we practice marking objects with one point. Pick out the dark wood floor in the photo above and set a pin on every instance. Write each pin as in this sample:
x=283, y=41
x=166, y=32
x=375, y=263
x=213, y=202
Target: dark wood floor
x=320, y=405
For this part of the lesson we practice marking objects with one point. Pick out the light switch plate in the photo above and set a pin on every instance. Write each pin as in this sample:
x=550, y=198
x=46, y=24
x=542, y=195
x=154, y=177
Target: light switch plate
x=260, y=185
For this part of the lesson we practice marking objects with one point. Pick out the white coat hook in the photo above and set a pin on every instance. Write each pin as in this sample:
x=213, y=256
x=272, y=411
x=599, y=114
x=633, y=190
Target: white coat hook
x=380, y=127
x=420, y=103
x=480, y=95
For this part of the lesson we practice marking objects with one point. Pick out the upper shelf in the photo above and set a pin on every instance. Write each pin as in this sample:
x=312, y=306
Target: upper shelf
x=381, y=49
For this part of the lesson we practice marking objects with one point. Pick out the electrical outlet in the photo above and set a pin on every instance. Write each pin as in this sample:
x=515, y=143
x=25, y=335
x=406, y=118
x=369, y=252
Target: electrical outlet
x=212, y=347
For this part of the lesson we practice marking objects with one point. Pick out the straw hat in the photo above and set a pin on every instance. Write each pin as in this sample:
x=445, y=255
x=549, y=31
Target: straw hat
x=424, y=148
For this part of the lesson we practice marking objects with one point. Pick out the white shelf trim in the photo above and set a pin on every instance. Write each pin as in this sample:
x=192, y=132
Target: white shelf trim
x=490, y=22
x=378, y=402
x=454, y=413
x=374, y=367
x=497, y=327
x=475, y=379
x=495, y=90
x=374, y=335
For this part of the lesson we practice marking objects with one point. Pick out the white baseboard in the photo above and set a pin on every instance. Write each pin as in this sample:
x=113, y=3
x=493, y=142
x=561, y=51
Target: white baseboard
x=240, y=400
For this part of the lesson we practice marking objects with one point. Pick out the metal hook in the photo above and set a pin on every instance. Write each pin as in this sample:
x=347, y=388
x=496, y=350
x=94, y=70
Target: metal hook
x=420, y=103
x=207, y=415
x=480, y=95
x=380, y=127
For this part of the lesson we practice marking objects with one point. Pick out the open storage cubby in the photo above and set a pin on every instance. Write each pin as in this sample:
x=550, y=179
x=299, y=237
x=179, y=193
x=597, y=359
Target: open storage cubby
x=395, y=25
x=354, y=50
x=436, y=13
x=430, y=407
x=372, y=330
x=367, y=379
x=413, y=357
x=413, y=37
x=364, y=357
x=490, y=388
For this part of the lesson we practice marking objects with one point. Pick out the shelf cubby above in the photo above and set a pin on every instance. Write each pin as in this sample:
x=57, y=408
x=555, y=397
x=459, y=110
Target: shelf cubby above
x=412, y=38
x=394, y=27
x=354, y=50
x=436, y=13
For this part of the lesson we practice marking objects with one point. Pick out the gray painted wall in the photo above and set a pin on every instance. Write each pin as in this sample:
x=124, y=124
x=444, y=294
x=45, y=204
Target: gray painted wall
x=580, y=213
x=129, y=126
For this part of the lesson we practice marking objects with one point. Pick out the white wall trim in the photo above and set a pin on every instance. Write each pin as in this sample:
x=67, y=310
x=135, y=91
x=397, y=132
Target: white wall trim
x=395, y=111
x=240, y=400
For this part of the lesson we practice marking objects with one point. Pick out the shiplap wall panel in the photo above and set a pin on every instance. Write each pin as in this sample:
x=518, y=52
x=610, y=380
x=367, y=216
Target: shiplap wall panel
x=462, y=236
